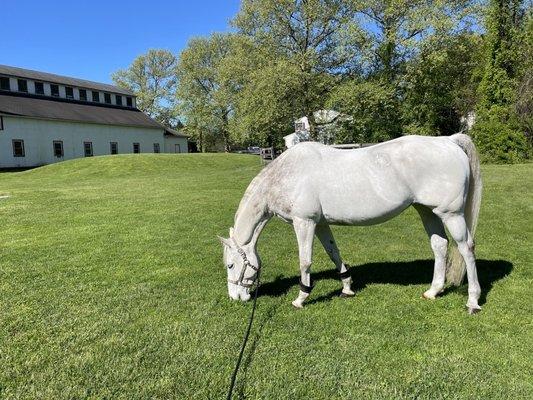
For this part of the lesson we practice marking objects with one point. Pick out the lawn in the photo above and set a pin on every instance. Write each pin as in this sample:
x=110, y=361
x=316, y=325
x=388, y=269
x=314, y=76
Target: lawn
x=112, y=287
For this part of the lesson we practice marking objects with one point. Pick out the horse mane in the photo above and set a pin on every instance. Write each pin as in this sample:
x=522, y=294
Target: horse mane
x=252, y=208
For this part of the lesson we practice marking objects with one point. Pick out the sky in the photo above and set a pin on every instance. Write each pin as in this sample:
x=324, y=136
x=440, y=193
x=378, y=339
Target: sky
x=92, y=39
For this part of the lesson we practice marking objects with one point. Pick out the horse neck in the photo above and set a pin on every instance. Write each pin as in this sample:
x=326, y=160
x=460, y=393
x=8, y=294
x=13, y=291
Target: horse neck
x=252, y=215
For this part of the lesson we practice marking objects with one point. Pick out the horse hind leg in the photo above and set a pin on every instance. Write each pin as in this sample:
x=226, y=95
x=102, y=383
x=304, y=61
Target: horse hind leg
x=324, y=234
x=439, y=244
x=458, y=229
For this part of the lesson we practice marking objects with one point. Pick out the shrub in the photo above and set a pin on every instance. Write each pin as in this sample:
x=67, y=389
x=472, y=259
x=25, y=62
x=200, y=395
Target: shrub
x=498, y=136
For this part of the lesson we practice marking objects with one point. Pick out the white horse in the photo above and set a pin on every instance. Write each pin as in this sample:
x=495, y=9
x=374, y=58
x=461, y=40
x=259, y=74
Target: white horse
x=312, y=186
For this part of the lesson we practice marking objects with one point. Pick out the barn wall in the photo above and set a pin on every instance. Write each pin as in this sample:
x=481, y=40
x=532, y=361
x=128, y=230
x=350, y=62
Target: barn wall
x=38, y=136
x=172, y=141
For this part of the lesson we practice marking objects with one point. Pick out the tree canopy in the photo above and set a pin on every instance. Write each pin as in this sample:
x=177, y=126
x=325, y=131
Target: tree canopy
x=204, y=93
x=391, y=67
x=498, y=132
x=152, y=77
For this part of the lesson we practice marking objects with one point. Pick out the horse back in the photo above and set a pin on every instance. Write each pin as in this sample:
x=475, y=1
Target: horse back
x=369, y=185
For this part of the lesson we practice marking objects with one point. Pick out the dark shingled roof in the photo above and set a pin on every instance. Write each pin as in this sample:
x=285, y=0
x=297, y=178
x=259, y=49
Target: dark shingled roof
x=28, y=106
x=172, y=132
x=63, y=80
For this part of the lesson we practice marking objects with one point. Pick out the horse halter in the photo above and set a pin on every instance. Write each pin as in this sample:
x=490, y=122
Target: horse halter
x=242, y=281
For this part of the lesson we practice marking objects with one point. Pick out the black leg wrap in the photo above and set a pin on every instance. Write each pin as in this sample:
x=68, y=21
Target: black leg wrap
x=345, y=274
x=306, y=289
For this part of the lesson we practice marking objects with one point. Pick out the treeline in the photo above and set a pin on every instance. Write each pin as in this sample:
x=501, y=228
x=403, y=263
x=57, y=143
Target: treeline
x=394, y=67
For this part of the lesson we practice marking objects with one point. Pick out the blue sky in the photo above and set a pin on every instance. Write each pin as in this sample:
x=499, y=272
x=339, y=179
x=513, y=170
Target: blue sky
x=92, y=39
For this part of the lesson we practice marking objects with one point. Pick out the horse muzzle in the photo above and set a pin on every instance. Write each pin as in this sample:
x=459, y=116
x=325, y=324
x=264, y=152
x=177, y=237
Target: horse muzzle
x=238, y=292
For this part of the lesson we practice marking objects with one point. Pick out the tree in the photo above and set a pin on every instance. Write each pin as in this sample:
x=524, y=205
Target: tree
x=406, y=78
x=152, y=77
x=497, y=131
x=439, y=85
x=372, y=107
x=264, y=106
x=392, y=32
x=205, y=96
x=524, y=103
x=305, y=41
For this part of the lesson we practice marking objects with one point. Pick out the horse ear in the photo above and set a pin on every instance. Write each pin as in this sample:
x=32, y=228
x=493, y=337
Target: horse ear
x=224, y=241
x=231, y=232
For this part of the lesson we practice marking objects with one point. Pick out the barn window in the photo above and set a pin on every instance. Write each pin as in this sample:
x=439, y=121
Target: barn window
x=58, y=148
x=156, y=148
x=96, y=97
x=118, y=100
x=54, y=89
x=107, y=98
x=136, y=148
x=88, y=149
x=39, y=88
x=83, y=94
x=4, y=83
x=22, y=85
x=18, y=148
x=114, y=147
x=129, y=102
x=69, y=92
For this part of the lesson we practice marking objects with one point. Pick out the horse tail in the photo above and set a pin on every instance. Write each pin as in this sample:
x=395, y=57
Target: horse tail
x=455, y=263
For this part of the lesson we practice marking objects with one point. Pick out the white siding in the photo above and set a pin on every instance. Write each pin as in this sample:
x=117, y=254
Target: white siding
x=39, y=135
x=174, y=144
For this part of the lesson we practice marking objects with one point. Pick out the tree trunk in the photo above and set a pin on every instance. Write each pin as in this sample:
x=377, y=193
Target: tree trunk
x=227, y=145
x=313, y=134
x=225, y=133
x=201, y=142
x=388, y=51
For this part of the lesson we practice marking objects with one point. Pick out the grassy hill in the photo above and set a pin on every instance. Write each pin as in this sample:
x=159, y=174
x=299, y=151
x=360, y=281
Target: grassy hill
x=112, y=286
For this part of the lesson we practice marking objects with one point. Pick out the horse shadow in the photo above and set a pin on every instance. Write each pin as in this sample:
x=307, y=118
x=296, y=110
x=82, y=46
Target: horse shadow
x=415, y=272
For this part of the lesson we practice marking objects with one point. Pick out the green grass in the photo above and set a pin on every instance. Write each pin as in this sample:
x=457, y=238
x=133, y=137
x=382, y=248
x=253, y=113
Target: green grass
x=112, y=286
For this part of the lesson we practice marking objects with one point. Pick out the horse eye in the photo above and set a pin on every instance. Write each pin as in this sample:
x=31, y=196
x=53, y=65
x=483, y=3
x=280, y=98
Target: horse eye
x=230, y=266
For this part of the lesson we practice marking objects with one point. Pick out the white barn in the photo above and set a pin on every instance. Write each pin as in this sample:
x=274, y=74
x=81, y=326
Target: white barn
x=46, y=118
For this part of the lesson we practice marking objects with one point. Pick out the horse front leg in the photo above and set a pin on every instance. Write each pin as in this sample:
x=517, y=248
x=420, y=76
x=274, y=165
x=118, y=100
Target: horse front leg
x=324, y=234
x=305, y=231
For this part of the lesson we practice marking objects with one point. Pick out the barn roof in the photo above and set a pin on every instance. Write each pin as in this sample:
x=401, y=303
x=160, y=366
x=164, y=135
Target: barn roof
x=64, y=80
x=172, y=132
x=68, y=110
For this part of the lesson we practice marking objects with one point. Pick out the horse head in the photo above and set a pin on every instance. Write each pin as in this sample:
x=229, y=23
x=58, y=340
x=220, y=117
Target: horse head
x=242, y=265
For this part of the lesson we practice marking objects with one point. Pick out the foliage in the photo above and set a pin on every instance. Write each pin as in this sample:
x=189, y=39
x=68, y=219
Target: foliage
x=498, y=136
x=305, y=40
x=373, y=110
x=413, y=69
x=152, y=77
x=440, y=86
x=392, y=67
x=391, y=32
x=503, y=23
x=315, y=46
x=497, y=132
x=264, y=112
x=112, y=286
x=524, y=102
x=205, y=97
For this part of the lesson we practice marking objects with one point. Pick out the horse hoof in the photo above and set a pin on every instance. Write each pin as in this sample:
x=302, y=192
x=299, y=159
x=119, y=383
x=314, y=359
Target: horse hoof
x=297, y=305
x=428, y=296
x=474, y=310
x=345, y=295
